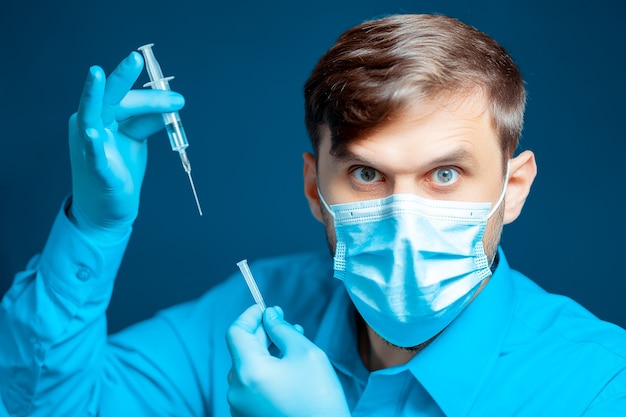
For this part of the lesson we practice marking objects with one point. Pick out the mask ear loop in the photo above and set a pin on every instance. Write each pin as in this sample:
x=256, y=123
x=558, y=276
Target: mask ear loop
x=326, y=206
x=502, y=194
x=495, y=208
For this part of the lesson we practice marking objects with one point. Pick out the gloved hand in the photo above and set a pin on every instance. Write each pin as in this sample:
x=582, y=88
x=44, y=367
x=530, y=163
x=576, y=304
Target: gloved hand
x=108, y=147
x=300, y=383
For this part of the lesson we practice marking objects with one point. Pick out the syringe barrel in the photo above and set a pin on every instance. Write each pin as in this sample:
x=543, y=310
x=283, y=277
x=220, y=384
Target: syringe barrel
x=175, y=131
x=173, y=126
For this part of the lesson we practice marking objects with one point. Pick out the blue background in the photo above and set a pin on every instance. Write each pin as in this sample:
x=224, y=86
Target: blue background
x=241, y=67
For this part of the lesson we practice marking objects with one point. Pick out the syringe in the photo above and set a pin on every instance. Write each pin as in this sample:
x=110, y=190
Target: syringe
x=173, y=126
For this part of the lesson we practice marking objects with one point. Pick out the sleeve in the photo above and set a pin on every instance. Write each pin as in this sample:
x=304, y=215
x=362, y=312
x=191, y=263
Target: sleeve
x=53, y=332
x=612, y=399
x=176, y=363
x=56, y=358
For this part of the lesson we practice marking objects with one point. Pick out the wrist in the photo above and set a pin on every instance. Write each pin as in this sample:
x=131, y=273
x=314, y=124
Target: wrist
x=106, y=235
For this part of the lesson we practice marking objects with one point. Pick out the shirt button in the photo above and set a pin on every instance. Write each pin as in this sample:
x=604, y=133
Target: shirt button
x=83, y=274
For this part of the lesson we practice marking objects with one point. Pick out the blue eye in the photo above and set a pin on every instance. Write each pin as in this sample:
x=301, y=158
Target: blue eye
x=367, y=174
x=445, y=176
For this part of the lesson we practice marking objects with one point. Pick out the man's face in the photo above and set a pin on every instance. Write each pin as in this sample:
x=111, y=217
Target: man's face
x=445, y=150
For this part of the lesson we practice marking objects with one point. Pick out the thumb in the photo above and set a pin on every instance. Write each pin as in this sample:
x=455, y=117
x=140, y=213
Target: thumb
x=285, y=336
x=241, y=339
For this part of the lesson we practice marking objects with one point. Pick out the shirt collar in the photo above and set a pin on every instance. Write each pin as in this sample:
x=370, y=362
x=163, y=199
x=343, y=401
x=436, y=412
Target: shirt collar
x=454, y=367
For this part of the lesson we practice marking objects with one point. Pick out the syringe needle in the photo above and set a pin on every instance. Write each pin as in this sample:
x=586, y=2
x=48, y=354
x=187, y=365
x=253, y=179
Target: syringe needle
x=195, y=195
x=187, y=168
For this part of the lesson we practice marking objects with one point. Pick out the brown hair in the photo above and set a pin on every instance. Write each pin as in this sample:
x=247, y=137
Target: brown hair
x=380, y=67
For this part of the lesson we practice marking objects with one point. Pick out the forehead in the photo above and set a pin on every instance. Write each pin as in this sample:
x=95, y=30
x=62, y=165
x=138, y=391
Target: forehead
x=451, y=127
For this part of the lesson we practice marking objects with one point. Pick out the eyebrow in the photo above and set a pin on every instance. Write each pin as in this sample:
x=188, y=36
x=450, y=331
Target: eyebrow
x=459, y=155
x=456, y=156
x=345, y=155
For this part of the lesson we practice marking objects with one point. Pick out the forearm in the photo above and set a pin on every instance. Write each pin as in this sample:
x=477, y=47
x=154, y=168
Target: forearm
x=53, y=325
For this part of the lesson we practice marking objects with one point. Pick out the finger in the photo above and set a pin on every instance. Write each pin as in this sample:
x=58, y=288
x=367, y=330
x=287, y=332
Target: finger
x=142, y=127
x=141, y=102
x=90, y=106
x=119, y=83
x=285, y=336
x=241, y=338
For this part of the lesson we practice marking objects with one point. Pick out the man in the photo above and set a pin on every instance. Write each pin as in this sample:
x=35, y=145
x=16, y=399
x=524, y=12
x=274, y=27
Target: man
x=414, y=121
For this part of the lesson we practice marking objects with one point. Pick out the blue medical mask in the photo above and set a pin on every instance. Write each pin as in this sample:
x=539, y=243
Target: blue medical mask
x=410, y=264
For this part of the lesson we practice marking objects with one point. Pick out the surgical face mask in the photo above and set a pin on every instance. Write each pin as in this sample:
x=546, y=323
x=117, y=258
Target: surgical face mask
x=410, y=264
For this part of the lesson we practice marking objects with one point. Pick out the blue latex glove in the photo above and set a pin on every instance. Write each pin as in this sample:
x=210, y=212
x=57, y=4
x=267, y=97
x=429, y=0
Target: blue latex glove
x=108, y=147
x=301, y=382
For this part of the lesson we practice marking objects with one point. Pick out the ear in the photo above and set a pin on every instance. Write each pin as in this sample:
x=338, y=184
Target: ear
x=522, y=172
x=310, y=185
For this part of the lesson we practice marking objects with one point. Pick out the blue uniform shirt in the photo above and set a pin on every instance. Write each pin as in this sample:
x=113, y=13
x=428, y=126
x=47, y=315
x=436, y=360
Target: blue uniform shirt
x=516, y=350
